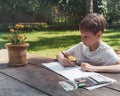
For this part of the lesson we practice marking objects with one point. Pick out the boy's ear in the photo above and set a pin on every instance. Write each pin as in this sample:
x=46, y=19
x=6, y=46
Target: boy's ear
x=99, y=33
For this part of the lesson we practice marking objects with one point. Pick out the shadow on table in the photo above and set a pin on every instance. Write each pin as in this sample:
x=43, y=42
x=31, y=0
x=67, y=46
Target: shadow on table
x=3, y=65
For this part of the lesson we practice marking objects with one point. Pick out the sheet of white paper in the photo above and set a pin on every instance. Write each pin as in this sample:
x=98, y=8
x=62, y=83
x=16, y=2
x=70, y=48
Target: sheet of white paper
x=75, y=72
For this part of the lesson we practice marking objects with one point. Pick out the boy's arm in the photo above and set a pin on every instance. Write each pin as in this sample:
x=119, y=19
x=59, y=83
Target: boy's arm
x=110, y=68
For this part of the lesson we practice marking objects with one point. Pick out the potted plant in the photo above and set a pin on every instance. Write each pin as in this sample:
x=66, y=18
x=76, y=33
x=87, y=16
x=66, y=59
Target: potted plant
x=17, y=48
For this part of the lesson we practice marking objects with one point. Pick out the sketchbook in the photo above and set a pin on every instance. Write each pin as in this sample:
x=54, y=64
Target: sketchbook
x=71, y=73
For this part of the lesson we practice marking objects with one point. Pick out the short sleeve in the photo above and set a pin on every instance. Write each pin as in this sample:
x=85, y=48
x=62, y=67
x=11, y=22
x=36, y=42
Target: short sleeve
x=74, y=50
x=77, y=52
x=111, y=57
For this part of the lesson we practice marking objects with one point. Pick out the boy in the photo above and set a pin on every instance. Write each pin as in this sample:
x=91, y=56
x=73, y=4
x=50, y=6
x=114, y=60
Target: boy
x=92, y=54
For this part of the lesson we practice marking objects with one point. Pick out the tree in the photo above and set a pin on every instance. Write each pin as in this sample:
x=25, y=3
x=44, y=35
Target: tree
x=89, y=6
x=112, y=12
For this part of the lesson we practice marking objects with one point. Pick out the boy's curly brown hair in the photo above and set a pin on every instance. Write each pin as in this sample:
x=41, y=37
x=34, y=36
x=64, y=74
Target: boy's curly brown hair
x=93, y=22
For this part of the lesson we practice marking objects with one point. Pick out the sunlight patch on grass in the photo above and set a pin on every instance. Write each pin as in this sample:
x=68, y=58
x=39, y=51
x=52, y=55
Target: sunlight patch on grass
x=50, y=43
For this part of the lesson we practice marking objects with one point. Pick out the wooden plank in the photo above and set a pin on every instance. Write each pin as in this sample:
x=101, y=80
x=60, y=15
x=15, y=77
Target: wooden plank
x=3, y=56
x=3, y=51
x=12, y=87
x=116, y=76
x=36, y=77
x=47, y=81
x=100, y=92
x=37, y=60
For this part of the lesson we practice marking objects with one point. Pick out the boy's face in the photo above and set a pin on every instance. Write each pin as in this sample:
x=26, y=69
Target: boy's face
x=89, y=39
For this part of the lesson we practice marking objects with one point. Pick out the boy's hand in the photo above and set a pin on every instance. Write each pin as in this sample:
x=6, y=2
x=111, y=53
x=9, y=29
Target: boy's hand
x=64, y=60
x=67, y=63
x=87, y=67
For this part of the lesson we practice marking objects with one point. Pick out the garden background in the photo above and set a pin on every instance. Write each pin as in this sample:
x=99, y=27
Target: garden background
x=51, y=26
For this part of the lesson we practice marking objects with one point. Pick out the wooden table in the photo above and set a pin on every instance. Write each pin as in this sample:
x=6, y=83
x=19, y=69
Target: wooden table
x=36, y=80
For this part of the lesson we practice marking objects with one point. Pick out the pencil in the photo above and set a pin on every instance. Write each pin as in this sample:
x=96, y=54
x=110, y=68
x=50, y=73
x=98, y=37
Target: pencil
x=65, y=55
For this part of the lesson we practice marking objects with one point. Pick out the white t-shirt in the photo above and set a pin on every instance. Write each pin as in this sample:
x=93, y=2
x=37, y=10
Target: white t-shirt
x=103, y=55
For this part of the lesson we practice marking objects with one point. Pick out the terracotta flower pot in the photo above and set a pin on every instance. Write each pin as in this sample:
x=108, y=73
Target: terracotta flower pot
x=17, y=54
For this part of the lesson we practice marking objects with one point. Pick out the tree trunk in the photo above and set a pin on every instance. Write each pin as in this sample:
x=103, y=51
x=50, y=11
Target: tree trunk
x=89, y=6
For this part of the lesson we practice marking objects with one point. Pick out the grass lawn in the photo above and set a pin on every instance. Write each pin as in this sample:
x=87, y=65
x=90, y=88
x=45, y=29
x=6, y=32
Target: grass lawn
x=49, y=43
